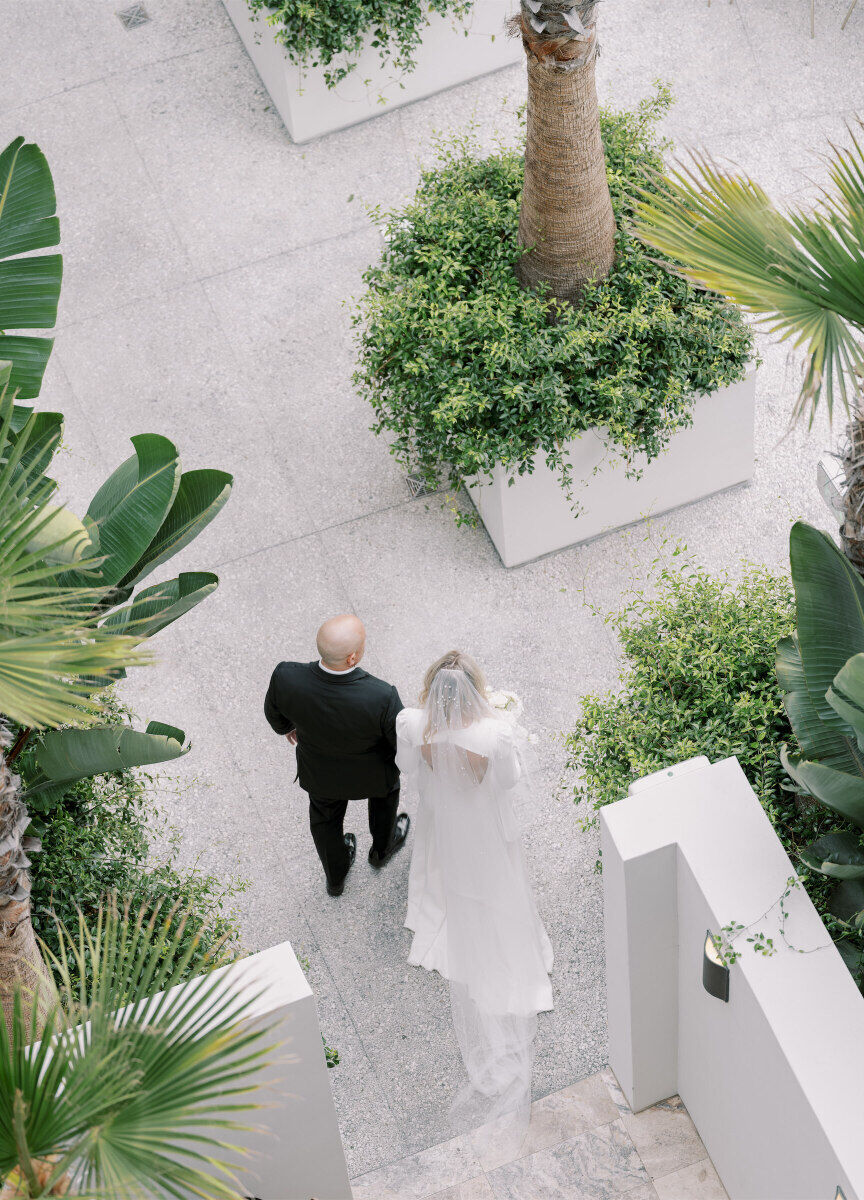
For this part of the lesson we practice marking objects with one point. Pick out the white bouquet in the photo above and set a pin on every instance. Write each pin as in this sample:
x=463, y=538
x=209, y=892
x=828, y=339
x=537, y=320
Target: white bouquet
x=506, y=702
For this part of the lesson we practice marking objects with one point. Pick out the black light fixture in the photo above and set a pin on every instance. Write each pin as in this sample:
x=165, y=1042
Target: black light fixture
x=715, y=973
x=840, y=1195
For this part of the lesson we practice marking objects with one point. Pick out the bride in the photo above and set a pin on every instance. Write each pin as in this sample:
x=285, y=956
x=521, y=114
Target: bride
x=470, y=903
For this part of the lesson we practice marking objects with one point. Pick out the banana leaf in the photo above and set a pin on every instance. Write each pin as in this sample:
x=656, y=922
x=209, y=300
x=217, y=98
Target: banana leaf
x=29, y=283
x=838, y=855
x=846, y=695
x=830, y=605
x=840, y=791
x=158, y=606
x=847, y=901
x=132, y=503
x=199, y=498
x=66, y=755
x=818, y=741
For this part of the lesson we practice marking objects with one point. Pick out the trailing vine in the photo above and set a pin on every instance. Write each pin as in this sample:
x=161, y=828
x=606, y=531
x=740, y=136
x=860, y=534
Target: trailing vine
x=332, y=34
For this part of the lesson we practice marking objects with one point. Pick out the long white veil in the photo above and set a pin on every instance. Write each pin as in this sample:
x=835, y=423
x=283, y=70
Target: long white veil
x=497, y=951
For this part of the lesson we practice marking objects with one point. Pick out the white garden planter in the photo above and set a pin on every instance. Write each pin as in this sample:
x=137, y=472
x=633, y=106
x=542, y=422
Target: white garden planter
x=534, y=516
x=446, y=57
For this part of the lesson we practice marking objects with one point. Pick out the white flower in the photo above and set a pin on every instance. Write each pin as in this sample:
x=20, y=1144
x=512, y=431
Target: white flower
x=504, y=701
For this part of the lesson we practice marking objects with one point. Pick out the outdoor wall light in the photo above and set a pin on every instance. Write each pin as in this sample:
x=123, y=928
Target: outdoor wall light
x=715, y=973
x=841, y=1195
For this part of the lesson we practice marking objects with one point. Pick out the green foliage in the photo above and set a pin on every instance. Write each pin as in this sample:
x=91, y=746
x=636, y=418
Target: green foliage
x=29, y=283
x=699, y=678
x=51, y=643
x=821, y=672
x=97, y=836
x=464, y=369
x=332, y=33
x=331, y=1055
x=801, y=273
x=149, y=1104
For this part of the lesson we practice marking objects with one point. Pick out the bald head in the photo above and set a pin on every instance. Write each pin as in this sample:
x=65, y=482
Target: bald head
x=341, y=642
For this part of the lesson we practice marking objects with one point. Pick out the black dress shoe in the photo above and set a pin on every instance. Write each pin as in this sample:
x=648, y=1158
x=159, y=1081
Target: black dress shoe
x=336, y=889
x=400, y=833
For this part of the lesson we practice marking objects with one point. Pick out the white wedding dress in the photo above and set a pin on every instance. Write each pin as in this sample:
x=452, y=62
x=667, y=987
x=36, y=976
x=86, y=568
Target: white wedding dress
x=470, y=903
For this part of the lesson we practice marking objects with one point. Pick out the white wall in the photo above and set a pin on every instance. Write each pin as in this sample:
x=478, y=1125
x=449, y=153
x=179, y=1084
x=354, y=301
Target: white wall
x=774, y=1080
x=298, y=1153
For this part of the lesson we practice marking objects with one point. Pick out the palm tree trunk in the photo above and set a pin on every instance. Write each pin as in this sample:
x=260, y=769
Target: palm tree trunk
x=21, y=964
x=16, y=1186
x=852, y=456
x=566, y=216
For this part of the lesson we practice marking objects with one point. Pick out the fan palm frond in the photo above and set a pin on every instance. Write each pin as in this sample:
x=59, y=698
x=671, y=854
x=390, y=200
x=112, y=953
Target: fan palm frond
x=802, y=273
x=53, y=653
x=137, y=1084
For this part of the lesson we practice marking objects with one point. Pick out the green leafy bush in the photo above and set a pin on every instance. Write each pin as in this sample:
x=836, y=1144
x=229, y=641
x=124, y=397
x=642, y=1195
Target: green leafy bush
x=699, y=678
x=96, y=839
x=321, y=33
x=464, y=369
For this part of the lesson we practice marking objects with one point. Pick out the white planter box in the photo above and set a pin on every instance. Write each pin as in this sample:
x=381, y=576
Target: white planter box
x=534, y=516
x=446, y=57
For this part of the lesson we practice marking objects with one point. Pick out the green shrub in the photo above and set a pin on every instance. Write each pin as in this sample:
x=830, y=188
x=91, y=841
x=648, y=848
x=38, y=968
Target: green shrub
x=315, y=33
x=699, y=678
x=464, y=369
x=96, y=840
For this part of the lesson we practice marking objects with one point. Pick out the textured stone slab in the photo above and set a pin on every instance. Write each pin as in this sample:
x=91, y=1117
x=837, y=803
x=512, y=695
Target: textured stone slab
x=699, y=1181
x=559, y=1117
x=595, y=1166
x=422, y=1175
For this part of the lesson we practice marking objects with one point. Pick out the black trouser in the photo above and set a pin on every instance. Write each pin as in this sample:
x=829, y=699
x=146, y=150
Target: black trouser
x=326, y=818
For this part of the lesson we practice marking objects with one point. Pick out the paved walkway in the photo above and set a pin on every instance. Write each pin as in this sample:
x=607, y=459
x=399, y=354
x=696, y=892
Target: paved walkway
x=206, y=264
x=583, y=1143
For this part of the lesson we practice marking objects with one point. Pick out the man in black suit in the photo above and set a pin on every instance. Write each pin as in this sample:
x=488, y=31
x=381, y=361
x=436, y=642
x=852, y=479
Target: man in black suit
x=343, y=723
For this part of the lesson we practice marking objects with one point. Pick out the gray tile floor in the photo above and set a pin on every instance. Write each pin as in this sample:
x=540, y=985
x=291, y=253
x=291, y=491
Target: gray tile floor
x=207, y=260
x=583, y=1142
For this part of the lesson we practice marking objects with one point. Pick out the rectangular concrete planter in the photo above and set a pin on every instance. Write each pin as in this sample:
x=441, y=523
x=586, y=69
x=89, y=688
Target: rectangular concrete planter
x=534, y=516
x=772, y=1076
x=446, y=57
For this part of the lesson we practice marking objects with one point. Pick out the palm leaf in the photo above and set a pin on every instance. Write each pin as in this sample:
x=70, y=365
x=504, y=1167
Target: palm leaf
x=49, y=642
x=145, y=1103
x=30, y=285
x=802, y=273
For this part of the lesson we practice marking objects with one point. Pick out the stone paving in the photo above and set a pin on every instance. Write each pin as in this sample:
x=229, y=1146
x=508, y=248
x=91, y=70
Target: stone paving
x=583, y=1142
x=206, y=264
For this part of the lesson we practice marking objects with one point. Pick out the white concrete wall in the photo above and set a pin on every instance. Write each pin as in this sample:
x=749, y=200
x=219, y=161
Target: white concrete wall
x=774, y=1080
x=445, y=58
x=534, y=516
x=297, y=1155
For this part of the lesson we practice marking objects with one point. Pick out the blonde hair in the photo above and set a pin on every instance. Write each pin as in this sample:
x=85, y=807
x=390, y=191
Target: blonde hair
x=453, y=660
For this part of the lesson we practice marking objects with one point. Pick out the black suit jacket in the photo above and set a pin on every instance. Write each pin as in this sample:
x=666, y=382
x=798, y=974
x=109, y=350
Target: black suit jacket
x=345, y=725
